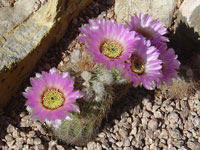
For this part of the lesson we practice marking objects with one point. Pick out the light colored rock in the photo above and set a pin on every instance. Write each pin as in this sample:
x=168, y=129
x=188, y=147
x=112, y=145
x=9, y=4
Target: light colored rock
x=59, y=147
x=99, y=147
x=30, y=141
x=119, y=144
x=175, y=133
x=153, y=124
x=25, y=35
x=173, y=118
x=123, y=133
x=187, y=29
x=91, y=145
x=9, y=138
x=196, y=122
x=189, y=13
x=6, y=3
x=162, y=9
x=37, y=141
x=126, y=143
x=193, y=145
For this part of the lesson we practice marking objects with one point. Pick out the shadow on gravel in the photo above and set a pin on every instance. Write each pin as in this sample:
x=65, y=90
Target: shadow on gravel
x=52, y=58
x=133, y=98
x=130, y=103
x=186, y=43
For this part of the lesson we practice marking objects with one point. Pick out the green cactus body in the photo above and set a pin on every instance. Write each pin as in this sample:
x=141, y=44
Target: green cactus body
x=85, y=125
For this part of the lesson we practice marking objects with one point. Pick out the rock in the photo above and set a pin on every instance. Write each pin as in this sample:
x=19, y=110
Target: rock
x=149, y=134
x=175, y=133
x=164, y=134
x=193, y=145
x=6, y=3
x=187, y=32
x=153, y=124
x=133, y=131
x=99, y=147
x=111, y=140
x=91, y=145
x=40, y=147
x=189, y=13
x=154, y=147
x=102, y=135
x=162, y=9
x=37, y=141
x=173, y=118
x=25, y=35
x=119, y=144
x=15, y=134
x=158, y=114
x=8, y=138
x=126, y=143
x=25, y=147
x=126, y=148
x=10, y=128
x=52, y=143
x=123, y=133
x=31, y=134
x=59, y=147
x=196, y=122
x=10, y=143
x=30, y=141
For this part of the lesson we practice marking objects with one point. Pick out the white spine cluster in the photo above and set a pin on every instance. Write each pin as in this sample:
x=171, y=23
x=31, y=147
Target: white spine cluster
x=87, y=94
x=99, y=89
x=106, y=77
x=75, y=56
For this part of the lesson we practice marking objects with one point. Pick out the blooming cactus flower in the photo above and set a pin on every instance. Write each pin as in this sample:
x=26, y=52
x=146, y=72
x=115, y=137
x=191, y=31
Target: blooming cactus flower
x=143, y=67
x=51, y=97
x=108, y=42
x=149, y=28
x=169, y=66
x=92, y=25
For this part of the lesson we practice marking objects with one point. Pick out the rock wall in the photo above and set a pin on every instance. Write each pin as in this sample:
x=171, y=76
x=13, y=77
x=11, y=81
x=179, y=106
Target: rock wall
x=27, y=30
x=162, y=9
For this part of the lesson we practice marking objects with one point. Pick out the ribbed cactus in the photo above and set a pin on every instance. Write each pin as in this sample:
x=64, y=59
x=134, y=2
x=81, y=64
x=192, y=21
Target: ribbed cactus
x=100, y=88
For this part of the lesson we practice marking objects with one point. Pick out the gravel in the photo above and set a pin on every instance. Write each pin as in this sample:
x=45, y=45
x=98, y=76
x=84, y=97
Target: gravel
x=143, y=120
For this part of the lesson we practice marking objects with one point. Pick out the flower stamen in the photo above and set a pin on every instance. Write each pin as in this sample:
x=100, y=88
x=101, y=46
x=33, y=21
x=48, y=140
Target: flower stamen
x=137, y=65
x=52, y=99
x=111, y=49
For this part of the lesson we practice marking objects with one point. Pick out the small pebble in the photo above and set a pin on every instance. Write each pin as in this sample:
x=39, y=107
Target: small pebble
x=37, y=141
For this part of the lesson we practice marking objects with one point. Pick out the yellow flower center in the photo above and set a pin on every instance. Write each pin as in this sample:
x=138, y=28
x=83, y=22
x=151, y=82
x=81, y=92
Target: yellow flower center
x=52, y=99
x=137, y=65
x=145, y=33
x=111, y=49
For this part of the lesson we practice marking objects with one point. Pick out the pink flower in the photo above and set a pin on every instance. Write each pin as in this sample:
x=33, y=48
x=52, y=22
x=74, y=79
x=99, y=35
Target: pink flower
x=169, y=66
x=149, y=28
x=51, y=97
x=143, y=67
x=108, y=42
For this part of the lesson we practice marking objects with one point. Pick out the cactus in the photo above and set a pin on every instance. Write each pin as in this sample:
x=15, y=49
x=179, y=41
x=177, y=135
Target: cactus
x=104, y=86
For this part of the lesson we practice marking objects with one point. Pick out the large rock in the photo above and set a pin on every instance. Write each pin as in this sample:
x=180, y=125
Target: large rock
x=186, y=37
x=27, y=29
x=162, y=9
x=189, y=14
x=187, y=31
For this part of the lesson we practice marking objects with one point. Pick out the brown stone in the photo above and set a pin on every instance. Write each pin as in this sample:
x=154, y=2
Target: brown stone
x=27, y=30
